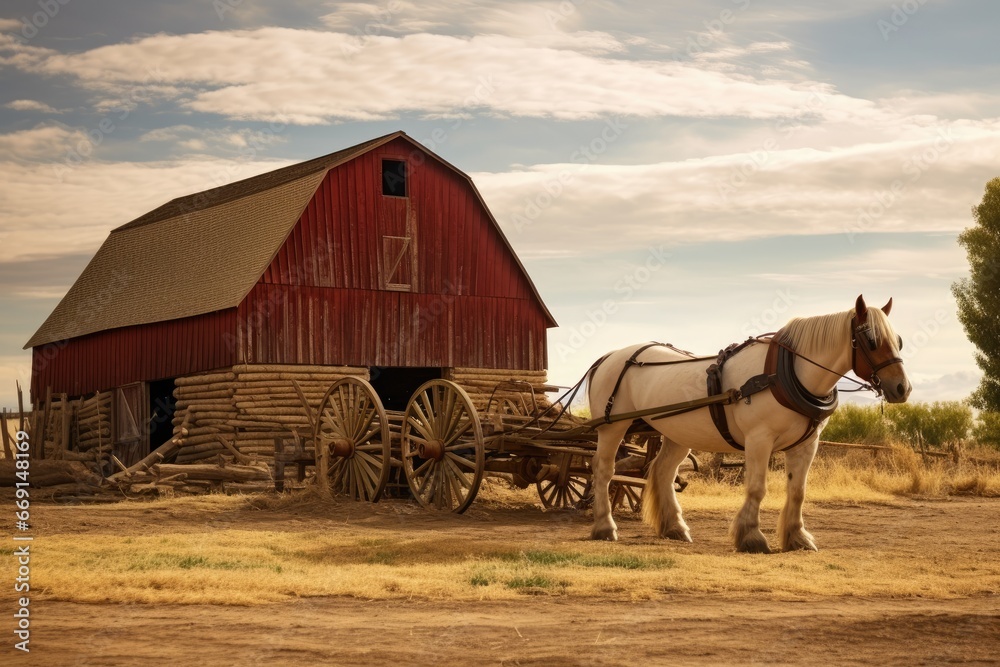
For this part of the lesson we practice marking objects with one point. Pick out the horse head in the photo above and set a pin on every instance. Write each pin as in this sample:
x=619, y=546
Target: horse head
x=875, y=350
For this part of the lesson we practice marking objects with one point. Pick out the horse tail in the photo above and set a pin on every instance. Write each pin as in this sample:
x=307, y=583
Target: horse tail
x=651, y=497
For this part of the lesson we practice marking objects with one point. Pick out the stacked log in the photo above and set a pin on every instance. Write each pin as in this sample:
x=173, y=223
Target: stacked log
x=92, y=426
x=269, y=406
x=480, y=384
x=248, y=406
x=205, y=410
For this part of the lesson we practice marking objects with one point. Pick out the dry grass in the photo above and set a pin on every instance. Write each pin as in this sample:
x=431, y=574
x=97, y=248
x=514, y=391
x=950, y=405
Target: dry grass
x=258, y=559
x=251, y=567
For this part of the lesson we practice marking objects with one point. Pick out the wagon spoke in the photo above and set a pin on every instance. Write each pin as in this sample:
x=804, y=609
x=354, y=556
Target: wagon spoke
x=367, y=458
x=421, y=427
x=423, y=467
x=457, y=486
x=448, y=445
x=366, y=477
x=458, y=475
x=451, y=456
x=370, y=423
x=449, y=414
x=369, y=435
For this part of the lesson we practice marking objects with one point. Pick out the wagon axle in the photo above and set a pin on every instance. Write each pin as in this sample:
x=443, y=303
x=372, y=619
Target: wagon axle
x=342, y=447
x=432, y=449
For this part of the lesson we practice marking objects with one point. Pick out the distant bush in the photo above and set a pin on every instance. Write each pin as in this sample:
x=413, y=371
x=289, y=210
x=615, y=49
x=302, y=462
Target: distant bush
x=933, y=424
x=987, y=429
x=858, y=423
x=936, y=424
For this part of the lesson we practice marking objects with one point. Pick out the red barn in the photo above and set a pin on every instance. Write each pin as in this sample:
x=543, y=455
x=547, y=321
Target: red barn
x=380, y=260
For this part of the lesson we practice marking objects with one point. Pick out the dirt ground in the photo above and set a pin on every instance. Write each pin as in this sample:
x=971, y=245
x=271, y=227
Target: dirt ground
x=675, y=628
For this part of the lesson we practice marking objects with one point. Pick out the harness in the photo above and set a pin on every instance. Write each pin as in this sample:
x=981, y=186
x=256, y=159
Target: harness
x=634, y=361
x=778, y=376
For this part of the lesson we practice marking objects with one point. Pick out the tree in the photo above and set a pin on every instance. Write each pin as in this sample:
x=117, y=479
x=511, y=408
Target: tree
x=978, y=296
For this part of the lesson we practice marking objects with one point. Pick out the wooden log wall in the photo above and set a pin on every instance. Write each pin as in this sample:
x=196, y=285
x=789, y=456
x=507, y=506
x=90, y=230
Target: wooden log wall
x=92, y=426
x=248, y=406
x=77, y=429
x=479, y=383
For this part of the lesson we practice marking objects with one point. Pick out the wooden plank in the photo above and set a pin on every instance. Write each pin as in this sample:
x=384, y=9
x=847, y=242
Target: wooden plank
x=7, y=451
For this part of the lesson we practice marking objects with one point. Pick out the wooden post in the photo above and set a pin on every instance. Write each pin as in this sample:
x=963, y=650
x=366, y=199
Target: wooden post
x=20, y=407
x=7, y=453
x=45, y=422
x=64, y=434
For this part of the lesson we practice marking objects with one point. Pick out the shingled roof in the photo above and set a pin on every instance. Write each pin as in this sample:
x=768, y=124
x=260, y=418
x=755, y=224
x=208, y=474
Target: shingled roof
x=197, y=254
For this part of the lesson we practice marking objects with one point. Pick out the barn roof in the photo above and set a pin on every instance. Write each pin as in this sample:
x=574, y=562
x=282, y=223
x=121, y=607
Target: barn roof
x=196, y=254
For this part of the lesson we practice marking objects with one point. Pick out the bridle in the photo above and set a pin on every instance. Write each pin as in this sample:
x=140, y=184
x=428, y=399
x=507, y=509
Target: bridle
x=865, y=366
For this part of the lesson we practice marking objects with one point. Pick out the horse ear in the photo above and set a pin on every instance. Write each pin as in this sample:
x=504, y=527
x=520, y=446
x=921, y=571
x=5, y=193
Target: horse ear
x=887, y=307
x=861, y=310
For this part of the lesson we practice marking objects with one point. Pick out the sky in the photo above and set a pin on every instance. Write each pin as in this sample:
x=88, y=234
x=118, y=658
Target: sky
x=687, y=172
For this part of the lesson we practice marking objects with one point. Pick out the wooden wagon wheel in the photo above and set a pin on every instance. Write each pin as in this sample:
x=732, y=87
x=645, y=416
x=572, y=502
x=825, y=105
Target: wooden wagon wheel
x=352, y=440
x=626, y=497
x=570, y=487
x=442, y=447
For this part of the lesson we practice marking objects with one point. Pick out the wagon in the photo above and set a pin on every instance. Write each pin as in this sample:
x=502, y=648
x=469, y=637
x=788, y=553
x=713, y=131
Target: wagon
x=440, y=447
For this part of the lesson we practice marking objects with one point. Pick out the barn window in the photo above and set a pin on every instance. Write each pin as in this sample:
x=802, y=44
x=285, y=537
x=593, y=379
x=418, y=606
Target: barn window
x=397, y=263
x=394, y=178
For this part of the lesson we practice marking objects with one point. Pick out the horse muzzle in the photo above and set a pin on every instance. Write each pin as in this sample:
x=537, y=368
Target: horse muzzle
x=896, y=391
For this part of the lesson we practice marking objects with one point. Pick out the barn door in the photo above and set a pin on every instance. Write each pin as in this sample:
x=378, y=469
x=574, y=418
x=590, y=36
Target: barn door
x=131, y=438
x=396, y=263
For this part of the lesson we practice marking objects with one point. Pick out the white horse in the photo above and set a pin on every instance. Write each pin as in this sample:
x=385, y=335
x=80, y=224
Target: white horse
x=824, y=347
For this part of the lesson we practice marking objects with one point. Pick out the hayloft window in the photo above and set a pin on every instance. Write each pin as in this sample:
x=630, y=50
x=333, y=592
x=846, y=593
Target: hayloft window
x=394, y=178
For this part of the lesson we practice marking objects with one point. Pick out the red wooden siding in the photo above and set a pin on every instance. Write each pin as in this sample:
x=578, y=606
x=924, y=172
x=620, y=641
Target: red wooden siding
x=323, y=299
x=321, y=325
x=117, y=357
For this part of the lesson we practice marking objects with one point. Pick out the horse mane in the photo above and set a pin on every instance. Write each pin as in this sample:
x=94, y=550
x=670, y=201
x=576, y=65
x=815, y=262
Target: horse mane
x=808, y=335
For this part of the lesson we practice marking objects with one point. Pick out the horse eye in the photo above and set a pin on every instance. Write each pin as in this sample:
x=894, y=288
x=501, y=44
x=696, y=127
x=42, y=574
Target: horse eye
x=899, y=339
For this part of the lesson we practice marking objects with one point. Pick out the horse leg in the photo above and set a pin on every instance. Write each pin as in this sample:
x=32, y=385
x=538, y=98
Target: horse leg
x=791, y=530
x=745, y=529
x=660, y=508
x=603, y=467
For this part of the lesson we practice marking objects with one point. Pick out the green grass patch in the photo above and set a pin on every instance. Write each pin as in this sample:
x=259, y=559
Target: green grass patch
x=622, y=561
x=531, y=581
x=170, y=561
x=383, y=557
x=480, y=579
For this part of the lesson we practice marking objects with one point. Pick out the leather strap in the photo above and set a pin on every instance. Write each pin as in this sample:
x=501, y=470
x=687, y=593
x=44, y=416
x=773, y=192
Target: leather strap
x=714, y=381
x=778, y=376
x=634, y=361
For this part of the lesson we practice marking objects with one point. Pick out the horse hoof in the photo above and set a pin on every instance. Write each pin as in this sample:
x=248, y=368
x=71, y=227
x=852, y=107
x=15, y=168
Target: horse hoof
x=800, y=543
x=677, y=534
x=609, y=534
x=755, y=545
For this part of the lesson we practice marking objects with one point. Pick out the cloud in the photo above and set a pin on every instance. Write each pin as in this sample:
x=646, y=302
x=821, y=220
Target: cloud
x=53, y=209
x=949, y=387
x=9, y=24
x=195, y=140
x=314, y=77
x=909, y=185
x=32, y=105
x=44, y=142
